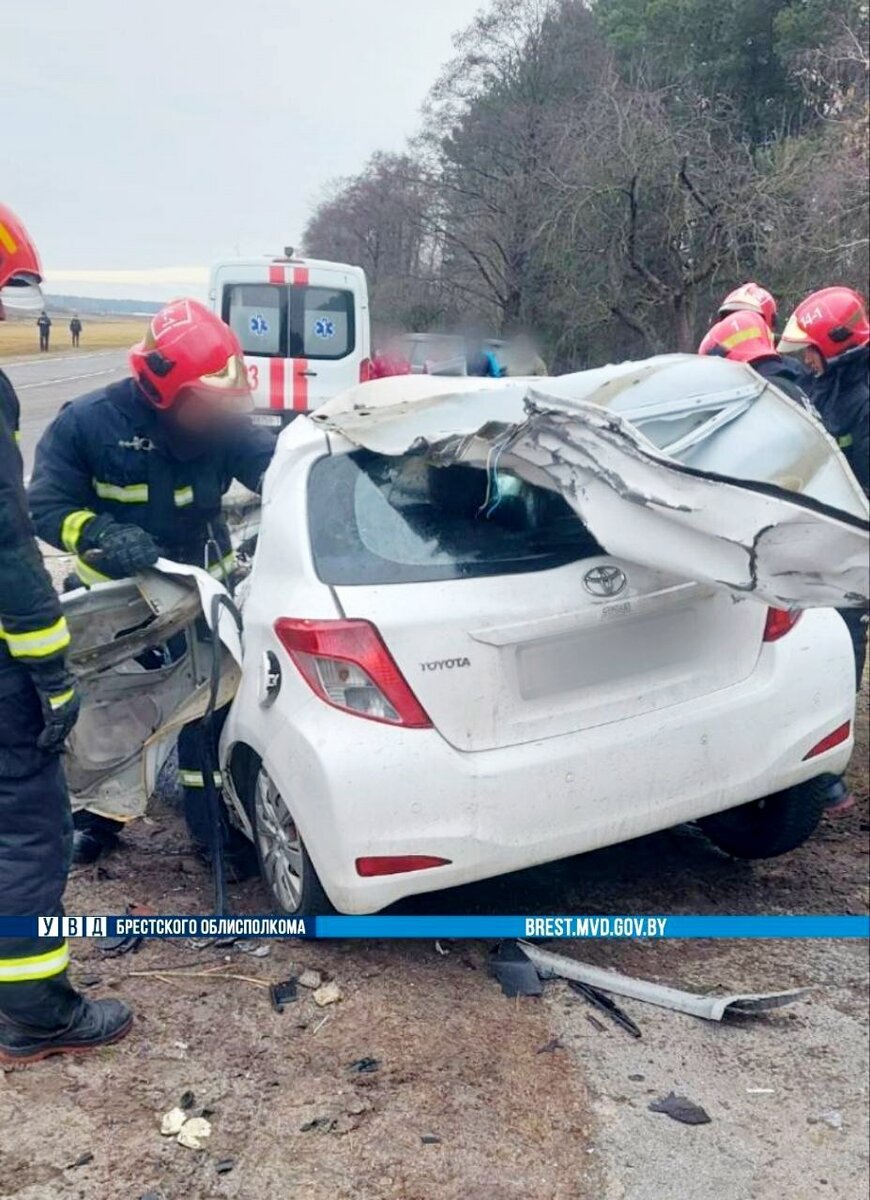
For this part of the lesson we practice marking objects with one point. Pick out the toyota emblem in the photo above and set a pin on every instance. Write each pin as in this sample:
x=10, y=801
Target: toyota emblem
x=604, y=581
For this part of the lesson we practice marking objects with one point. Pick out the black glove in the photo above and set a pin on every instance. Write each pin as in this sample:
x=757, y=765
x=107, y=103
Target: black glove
x=117, y=550
x=59, y=697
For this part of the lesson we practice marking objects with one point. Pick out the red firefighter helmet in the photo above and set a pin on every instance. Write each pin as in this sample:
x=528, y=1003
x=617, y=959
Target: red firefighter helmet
x=742, y=337
x=20, y=268
x=188, y=347
x=750, y=297
x=833, y=320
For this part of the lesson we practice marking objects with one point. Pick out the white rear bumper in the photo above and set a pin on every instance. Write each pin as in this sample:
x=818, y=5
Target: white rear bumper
x=358, y=788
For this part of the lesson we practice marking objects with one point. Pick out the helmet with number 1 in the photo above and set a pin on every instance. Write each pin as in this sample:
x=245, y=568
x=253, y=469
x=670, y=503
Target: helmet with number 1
x=832, y=321
x=188, y=348
x=20, y=269
x=750, y=297
x=742, y=337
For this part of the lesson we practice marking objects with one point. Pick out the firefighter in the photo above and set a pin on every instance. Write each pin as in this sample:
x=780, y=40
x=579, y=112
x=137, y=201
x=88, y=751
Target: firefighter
x=745, y=336
x=40, y=1011
x=137, y=469
x=830, y=329
x=750, y=297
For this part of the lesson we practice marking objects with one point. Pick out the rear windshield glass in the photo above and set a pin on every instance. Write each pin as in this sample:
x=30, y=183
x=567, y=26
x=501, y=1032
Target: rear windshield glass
x=375, y=519
x=274, y=320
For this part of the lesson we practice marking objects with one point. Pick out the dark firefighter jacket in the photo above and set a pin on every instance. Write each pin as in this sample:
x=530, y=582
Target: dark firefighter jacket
x=111, y=453
x=32, y=627
x=842, y=396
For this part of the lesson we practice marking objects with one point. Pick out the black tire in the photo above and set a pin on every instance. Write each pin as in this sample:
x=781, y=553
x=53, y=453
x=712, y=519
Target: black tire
x=312, y=900
x=771, y=826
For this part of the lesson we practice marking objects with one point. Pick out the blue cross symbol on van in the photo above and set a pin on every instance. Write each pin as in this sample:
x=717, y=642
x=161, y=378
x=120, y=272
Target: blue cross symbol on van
x=324, y=328
x=259, y=325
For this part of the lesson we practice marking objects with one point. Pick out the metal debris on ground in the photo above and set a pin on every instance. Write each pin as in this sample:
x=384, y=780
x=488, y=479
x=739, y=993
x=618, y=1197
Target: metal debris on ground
x=81, y=1161
x=224, y=1165
x=193, y=1133
x=549, y=1047
x=322, y=1123
x=514, y=971
x=365, y=1066
x=595, y=1023
x=282, y=993
x=712, y=1008
x=310, y=979
x=329, y=993
x=831, y=1116
x=255, y=949
x=430, y=1139
x=680, y=1108
x=604, y=1004
x=187, y=1100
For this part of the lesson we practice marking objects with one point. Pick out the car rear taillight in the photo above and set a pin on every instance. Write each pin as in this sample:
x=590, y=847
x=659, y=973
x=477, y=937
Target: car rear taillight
x=365, y=370
x=779, y=622
x=397, y=864
x=347, y=664
x=835, y=738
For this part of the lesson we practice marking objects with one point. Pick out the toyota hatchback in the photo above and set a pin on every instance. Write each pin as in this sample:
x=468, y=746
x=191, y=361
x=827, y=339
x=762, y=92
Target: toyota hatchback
x=447, y=676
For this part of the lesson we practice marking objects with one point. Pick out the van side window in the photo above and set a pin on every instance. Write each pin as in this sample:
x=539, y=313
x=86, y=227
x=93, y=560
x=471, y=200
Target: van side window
x=254, y=313
x=323, y=319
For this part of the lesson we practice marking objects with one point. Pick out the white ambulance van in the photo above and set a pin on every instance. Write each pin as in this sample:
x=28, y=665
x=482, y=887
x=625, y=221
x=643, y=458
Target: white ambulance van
x=303, y=325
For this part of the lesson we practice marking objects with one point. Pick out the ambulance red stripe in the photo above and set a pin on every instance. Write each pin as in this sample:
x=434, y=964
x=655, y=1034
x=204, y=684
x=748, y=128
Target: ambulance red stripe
x=300, y=365
x=277, y=275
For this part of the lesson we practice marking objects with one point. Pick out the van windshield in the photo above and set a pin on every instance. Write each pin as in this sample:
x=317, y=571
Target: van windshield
x=276, y=320
x=377, y=519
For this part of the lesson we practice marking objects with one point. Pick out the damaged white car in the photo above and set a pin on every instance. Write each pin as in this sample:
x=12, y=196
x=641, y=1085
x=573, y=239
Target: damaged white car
x=492, y=624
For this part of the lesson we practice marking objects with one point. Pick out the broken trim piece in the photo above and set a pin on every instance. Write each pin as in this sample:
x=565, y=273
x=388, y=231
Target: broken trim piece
x=711, y=1008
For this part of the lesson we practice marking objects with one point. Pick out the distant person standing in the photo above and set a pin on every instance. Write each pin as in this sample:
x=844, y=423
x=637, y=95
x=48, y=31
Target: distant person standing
x=43, y=321
x=75, y=329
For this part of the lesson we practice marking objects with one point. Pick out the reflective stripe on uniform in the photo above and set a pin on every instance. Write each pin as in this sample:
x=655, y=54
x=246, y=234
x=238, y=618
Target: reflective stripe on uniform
x=223, y=566
x=845, y=441
x=57, y=702
x=38, y=966
x=183, y=496
x=37, y=643
x=194, y=779
x=742, y=335
x=73, y=524
x=127, y=493
x=87, y=574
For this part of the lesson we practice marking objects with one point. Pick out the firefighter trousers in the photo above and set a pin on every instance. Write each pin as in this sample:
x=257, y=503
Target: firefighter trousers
x=35, y=848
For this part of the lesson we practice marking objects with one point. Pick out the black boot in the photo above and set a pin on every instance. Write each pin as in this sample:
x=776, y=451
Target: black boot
x=839, y=799
x=92, y=836
x=98, y=1023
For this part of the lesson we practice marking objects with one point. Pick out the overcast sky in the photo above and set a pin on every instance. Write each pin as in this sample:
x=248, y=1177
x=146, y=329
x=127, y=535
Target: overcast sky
x=140, y=135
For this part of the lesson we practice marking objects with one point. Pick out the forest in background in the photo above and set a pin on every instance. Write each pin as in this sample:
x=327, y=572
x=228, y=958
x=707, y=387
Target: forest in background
x=601, y=172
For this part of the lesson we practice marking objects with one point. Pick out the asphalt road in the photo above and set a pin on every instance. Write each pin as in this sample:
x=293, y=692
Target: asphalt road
x=44, y=384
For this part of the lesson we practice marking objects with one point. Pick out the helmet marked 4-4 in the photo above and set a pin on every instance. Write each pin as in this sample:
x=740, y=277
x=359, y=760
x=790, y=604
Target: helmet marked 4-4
x=832, y=321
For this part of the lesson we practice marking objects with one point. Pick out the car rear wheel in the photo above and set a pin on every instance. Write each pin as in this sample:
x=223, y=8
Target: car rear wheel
x=770, y=826
x=285, y=865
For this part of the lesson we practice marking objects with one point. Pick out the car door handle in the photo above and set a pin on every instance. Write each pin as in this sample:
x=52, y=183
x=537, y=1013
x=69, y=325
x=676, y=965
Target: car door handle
x=308, y=374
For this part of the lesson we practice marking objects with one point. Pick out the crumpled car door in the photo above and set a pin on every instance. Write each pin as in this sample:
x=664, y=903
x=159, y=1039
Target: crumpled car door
x=143, y=655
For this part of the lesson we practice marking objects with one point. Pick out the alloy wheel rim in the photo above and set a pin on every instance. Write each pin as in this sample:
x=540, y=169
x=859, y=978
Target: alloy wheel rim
x=279, y=843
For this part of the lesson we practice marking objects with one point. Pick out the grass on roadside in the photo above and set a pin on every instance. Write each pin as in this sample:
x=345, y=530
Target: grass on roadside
x=21, y=338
